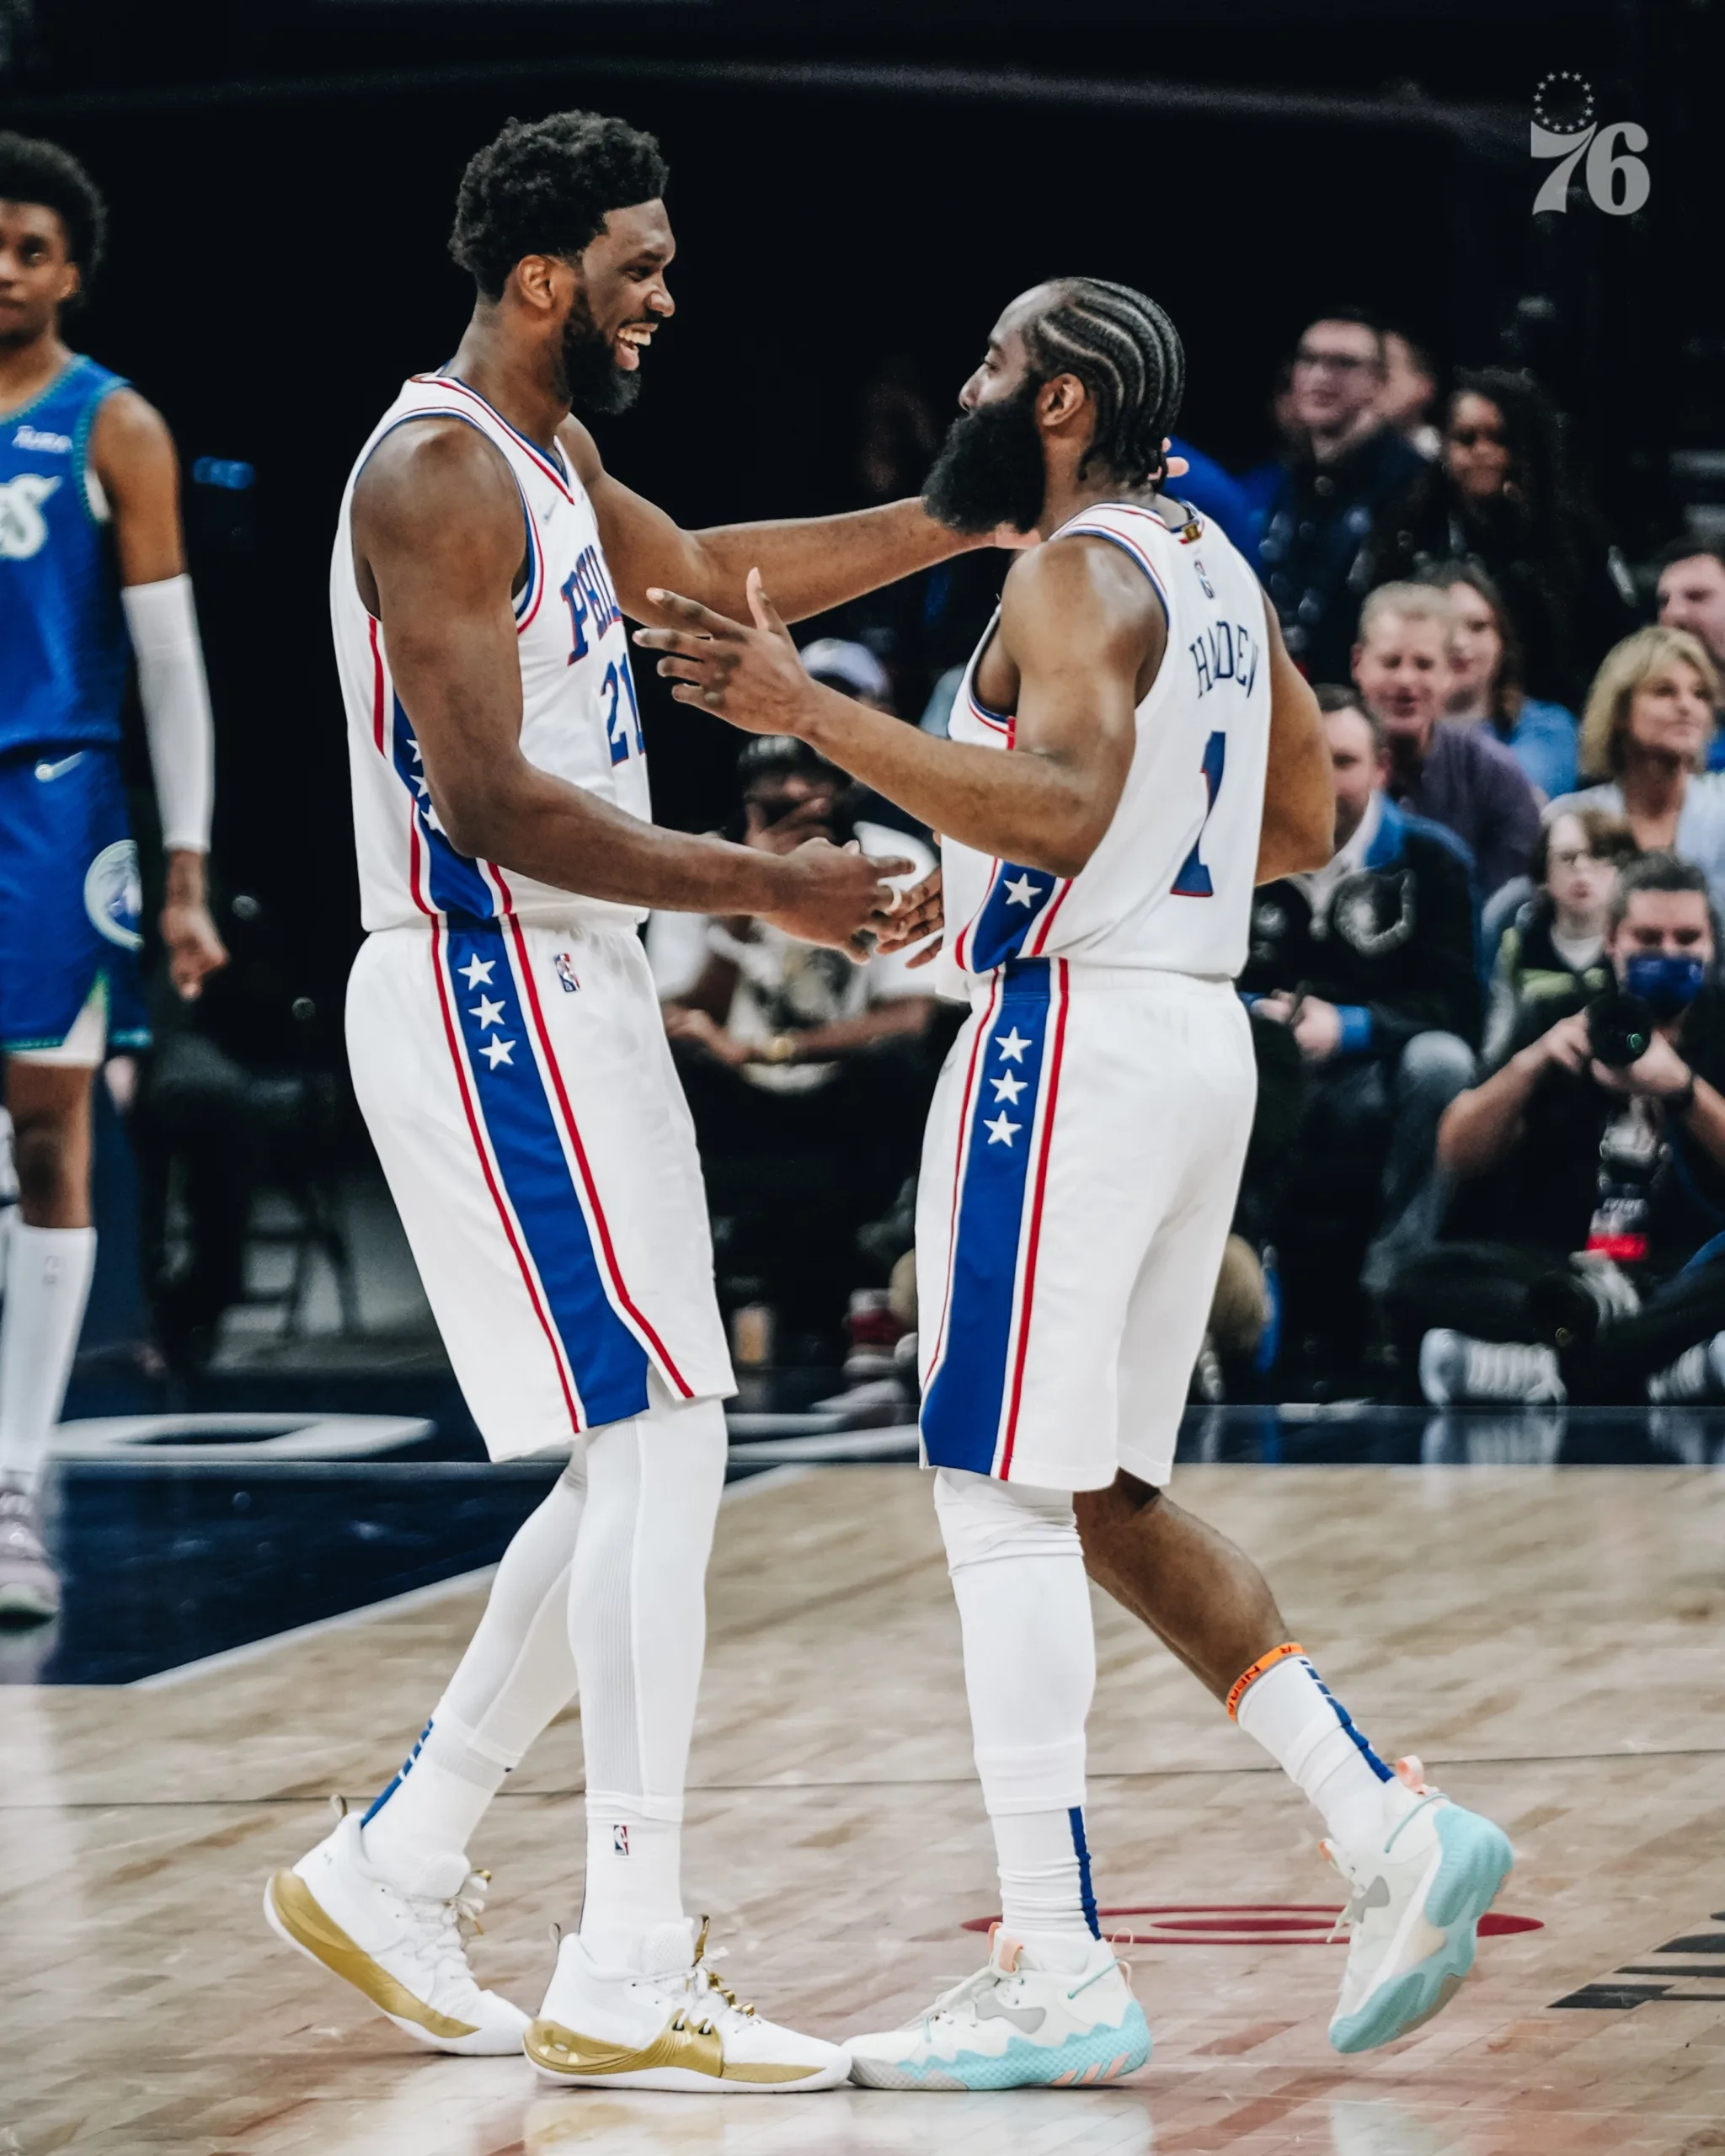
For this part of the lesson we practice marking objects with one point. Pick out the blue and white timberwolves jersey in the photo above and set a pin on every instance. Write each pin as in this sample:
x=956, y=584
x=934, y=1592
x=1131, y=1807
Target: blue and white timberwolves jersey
x=579, y=715
x=64, y=652
x=1169, y=888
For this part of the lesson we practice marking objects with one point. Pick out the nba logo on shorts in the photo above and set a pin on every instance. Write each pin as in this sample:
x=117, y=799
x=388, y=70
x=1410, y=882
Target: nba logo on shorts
x=620, y=1840
x=565, y=974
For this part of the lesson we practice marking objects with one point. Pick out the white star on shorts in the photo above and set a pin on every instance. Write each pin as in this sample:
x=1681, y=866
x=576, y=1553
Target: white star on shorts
x=1007, y=1088
x=1011, y=1045
x=1022, y=892
x=496, y=1051
x=477, y=970
x=486, y=1011
x=1000, y=1131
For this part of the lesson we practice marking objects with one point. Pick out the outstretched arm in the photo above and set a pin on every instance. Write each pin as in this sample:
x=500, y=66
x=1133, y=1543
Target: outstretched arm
x=437, y=541
x=1298, y=798
x=1080, y=627
x=809, y=564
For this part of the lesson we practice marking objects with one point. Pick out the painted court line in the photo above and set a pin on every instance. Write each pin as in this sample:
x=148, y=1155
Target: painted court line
x=414, y=1598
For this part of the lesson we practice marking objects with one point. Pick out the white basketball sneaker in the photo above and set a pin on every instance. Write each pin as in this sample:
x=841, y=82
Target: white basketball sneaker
x=1455, y=1369
x=407, y=1951
x=1417, y=1893
x=1016, y=2024
x=30, y=1586
x=665, y=2021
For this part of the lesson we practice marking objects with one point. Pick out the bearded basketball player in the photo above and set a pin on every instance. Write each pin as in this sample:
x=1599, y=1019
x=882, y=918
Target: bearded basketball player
x=510, y=1056
x=1131, y=751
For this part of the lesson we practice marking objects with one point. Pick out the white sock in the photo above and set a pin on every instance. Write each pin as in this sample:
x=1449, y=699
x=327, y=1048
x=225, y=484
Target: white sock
x=634, y=1876
x=47, y=1285
x=1017, y=1573
x=1291, y=1712
x=638, y=1624
x=516, y=1675
x=1044, y=1869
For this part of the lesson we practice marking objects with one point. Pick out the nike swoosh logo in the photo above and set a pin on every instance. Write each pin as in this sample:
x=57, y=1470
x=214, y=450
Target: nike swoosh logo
x=1029, y=2018
x=46, y=770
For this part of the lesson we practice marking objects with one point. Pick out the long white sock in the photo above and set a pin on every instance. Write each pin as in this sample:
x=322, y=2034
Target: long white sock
x=1017, y=1573
x=638, y=1624
x=47, y=1285
x=1286, y=1705
x=516, y=1675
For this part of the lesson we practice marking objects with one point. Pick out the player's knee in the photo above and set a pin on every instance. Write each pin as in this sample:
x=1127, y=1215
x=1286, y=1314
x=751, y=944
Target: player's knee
x=982, y=1519
x=46, y=1159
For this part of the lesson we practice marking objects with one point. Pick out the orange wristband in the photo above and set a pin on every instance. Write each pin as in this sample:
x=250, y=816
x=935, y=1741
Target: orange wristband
x=1251, y=1676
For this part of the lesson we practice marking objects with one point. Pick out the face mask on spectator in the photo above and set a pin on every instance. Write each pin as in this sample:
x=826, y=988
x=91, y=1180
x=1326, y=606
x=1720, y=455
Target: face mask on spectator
x=1666, y=981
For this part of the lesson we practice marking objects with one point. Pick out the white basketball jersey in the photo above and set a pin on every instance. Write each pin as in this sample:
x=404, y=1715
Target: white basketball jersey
x=1170, y=886
x=579, y=715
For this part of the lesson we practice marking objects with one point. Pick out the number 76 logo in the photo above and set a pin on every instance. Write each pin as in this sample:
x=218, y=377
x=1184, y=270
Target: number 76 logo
x=1617, y=181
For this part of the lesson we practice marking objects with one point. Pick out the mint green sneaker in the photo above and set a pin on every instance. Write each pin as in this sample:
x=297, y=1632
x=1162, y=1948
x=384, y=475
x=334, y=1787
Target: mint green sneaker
x=1416, y=1896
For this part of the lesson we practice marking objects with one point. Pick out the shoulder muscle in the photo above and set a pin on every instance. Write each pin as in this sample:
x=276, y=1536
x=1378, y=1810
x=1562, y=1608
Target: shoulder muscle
x=437, y=489
x=1081, y=599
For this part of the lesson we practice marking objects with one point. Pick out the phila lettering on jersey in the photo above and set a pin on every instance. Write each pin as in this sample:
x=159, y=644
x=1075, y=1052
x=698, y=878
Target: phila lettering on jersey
x=580, y=720
x=1169, y=888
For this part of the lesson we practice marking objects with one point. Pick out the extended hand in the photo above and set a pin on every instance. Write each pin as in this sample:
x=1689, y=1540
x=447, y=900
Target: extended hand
x=835, y=896
x=682, y=1023
x=1317, y=1027
x=922, y=912
x=750, y=676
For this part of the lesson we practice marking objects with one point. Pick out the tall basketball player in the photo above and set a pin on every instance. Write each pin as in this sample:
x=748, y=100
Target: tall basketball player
x=1082, y=1159
x=509, y=1053
x=91, y=573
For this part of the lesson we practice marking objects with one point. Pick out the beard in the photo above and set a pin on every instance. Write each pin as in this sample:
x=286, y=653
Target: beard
x=990, y=470
x=596, y=386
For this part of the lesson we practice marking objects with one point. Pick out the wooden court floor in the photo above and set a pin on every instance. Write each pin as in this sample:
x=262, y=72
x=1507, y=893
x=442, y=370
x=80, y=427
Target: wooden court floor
x=1549, y=1640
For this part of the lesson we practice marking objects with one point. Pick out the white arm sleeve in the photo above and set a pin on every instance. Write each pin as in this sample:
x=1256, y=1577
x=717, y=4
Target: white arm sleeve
x=176, y=701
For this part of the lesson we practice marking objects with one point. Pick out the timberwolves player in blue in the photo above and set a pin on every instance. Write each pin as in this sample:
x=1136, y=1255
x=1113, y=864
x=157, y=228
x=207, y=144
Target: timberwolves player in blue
x=91, y=571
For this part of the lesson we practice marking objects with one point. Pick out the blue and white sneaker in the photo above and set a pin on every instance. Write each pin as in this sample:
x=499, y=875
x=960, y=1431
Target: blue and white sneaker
x=1016, y=2024
x=1417, y=1894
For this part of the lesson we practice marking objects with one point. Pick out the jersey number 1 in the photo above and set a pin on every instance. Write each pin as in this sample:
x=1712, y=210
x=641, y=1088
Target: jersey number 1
x=1194, y=880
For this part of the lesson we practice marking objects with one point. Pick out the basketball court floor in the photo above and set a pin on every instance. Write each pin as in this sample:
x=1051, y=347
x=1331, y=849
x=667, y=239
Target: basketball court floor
x=1547, y=1637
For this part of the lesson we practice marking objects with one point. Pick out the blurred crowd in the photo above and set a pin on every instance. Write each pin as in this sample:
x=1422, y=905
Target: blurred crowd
x=1489, y=1159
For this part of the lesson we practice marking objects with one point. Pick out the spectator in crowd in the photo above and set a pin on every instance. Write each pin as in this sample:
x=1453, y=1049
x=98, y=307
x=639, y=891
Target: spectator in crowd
x=1409, y=392
x=1485, y=680
x=1259, y=484
x=1318, y=553
x=1459, y=776
x=1502, y=496
x=1552, y=959
x=1691, y=593
x=808, y=1075
x=1645, y=736
x=1368, y=964
x=1592, y=1168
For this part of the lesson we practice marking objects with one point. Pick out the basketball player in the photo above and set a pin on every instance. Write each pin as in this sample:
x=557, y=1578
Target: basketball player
x=91, y=573
x=1082, y=1159
x=508, y=1051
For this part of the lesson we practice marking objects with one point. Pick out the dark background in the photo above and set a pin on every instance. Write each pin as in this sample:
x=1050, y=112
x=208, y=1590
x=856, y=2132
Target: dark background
x=280, y=179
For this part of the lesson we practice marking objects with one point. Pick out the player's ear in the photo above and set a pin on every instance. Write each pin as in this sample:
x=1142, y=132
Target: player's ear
x=542, y=281
x=1059, y=398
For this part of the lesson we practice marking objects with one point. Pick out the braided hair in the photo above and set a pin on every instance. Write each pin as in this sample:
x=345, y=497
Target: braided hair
x=1128, y=354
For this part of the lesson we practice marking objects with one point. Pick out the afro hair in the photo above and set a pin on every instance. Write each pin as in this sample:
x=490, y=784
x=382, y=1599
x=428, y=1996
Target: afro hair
x=35, y=171
x=545, y=186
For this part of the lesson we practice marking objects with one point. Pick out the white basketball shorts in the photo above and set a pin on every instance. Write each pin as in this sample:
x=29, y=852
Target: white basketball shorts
x=1079, y=1176
x=518, y=1087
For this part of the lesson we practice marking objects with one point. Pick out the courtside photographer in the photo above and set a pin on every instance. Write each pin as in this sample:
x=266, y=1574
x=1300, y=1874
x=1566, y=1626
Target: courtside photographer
x=1592, y=1170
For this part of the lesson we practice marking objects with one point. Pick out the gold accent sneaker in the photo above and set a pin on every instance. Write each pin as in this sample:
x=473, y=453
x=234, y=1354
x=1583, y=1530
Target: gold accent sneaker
x=665, y=2021
x=405, y=1950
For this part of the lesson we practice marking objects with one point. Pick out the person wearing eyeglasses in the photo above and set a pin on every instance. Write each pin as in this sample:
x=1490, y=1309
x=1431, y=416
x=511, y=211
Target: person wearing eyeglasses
x=1503, y=497
x=1317, y=556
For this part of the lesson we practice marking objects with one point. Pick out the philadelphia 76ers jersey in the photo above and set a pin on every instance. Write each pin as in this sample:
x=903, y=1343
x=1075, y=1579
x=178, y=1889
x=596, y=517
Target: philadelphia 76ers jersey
x=579, y=715
x=1169, y=888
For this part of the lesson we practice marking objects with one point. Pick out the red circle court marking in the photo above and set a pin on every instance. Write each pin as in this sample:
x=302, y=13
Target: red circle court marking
x=1253, y=1923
